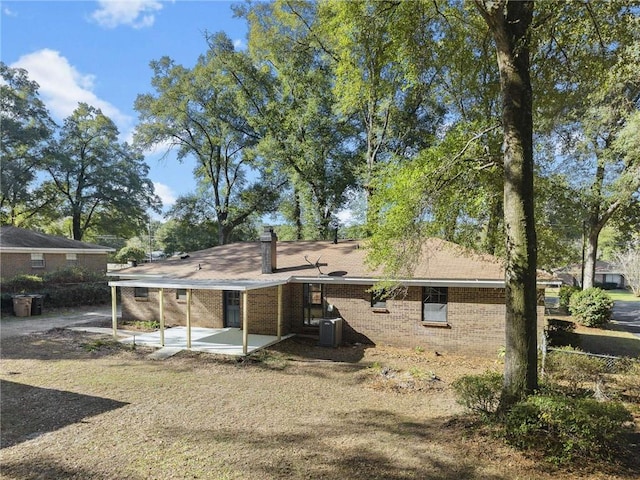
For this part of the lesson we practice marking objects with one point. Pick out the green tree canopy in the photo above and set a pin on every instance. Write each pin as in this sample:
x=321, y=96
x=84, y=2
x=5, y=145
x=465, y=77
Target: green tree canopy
x=102, y=184
x=26, y=134
x=203, y=112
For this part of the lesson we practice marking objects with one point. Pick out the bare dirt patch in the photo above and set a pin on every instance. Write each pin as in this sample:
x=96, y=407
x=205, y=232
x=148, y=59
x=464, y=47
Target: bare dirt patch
x=80, y=406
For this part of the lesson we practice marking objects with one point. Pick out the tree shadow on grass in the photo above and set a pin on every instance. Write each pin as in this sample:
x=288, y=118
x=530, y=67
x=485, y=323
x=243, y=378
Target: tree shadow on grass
x=28, y=412
x=43, y=466
x=603, y=344
x=64, y=344
x=361, y=445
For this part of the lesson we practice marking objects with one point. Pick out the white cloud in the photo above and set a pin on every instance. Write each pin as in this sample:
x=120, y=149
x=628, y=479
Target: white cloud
x=165, y=193
x=8, y=12
x=239, y=44
x=134, y=13
x=62, y=86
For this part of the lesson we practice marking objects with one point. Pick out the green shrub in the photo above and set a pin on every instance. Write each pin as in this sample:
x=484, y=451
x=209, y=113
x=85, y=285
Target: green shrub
x=561, y=333
x=591, y=307
x=69, y=275
x=574, y=371
x=567, y=429
x=564, y=294
x=129, y=254
x=22, y=284
x=479, y=393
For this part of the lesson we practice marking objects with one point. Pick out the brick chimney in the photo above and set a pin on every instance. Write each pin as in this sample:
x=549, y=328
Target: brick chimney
x=268, y=241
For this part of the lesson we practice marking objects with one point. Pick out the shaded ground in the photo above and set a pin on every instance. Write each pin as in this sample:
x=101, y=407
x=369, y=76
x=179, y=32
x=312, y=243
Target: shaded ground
x=80, y=406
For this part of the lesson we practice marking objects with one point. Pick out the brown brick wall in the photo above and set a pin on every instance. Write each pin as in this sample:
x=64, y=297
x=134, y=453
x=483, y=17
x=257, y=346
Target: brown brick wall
x=207, y=309
x=475, y=315
x=475, y=319
x=13, y=264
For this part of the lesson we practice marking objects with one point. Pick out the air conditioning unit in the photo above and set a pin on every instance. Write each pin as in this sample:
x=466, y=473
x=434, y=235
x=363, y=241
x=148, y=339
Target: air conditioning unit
x=331, y=332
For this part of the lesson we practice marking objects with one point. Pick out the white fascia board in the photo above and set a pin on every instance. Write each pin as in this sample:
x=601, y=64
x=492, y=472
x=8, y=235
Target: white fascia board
x=236, y=285
x=56, y=250
x=406, y=282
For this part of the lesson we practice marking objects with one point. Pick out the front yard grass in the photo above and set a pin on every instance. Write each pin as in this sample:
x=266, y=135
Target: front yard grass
x=294, y=411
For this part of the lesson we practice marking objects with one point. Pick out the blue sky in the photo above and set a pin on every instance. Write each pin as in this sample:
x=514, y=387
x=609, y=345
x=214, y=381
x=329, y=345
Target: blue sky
x=98, y=52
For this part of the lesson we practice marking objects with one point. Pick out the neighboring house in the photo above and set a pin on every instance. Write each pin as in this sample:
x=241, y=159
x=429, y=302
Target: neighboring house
x=608, y=275
x=455, y=300
x=28, y=252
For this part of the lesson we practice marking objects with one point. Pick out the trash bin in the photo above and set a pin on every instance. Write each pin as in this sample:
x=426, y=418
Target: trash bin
x=330, y=332
x=37, y=302
x=22, y=305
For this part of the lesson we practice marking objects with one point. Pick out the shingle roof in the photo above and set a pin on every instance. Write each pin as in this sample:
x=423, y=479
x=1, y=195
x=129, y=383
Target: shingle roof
x=20, y=238
x=346, y=259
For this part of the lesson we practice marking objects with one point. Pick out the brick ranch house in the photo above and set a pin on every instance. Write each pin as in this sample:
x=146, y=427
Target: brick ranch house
x=34, y=253
x=455, y=301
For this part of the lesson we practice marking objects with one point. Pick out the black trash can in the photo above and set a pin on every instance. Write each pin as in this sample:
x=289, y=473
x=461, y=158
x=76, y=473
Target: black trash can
x=37, y=302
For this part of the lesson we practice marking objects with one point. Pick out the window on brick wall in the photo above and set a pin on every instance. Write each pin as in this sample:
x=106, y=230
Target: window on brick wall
x=37, y=260
x=434, y=304
x=181, y=294
x=72, y=259
x=379, y=299
x=141, y=293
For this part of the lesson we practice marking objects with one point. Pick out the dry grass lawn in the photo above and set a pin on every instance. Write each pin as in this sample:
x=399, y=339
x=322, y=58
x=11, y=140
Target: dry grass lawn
x=78, y=406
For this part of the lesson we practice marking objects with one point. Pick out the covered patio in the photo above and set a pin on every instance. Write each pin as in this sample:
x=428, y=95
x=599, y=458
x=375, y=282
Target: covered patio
x=231, y=341
x=222, y=341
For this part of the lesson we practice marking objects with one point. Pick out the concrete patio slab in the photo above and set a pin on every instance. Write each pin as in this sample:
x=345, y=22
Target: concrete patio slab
x=224, y=341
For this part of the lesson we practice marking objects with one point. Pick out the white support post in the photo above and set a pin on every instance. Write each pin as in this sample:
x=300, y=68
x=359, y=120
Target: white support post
x=245, y=322
x=114, y=311
x=188, y=318
x=161, y=308
x=279, y=312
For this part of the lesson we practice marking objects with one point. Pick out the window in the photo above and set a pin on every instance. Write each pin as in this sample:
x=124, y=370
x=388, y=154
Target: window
x=37, y=260
x=72, y=259
x=379, y=299
x=141, y=292
x=181, y=294
x=434, y=304
x=313, y=303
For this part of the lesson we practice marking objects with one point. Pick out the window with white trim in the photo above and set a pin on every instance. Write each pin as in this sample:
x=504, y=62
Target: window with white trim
x=37, y=260
x=72, y=259
x=434, y=304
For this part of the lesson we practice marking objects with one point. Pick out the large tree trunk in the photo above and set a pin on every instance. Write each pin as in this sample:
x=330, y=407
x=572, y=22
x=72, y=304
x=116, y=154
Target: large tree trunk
x=590, y=255
x=509, y=22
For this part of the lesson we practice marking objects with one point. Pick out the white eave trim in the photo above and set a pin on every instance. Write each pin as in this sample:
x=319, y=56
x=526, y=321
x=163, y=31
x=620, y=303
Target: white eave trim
x=407, y=282
x=237, y=285
x=102, y=251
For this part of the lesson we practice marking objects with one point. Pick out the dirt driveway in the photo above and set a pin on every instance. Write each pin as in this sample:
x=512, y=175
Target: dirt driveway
x=11, y=326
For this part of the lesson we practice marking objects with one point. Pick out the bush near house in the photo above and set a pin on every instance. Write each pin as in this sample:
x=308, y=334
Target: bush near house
x=67, y=287
x=561, y=424
x=591, y=307
x=566, y=428
x=564, y=294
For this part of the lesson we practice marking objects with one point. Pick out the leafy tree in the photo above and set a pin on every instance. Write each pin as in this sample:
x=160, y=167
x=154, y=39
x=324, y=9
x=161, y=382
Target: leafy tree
x=303, y=136
x=383, y=57
x=25, y=135
x=102, y=184
x=203, y=112
x=509, y=23
x=590, y=106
